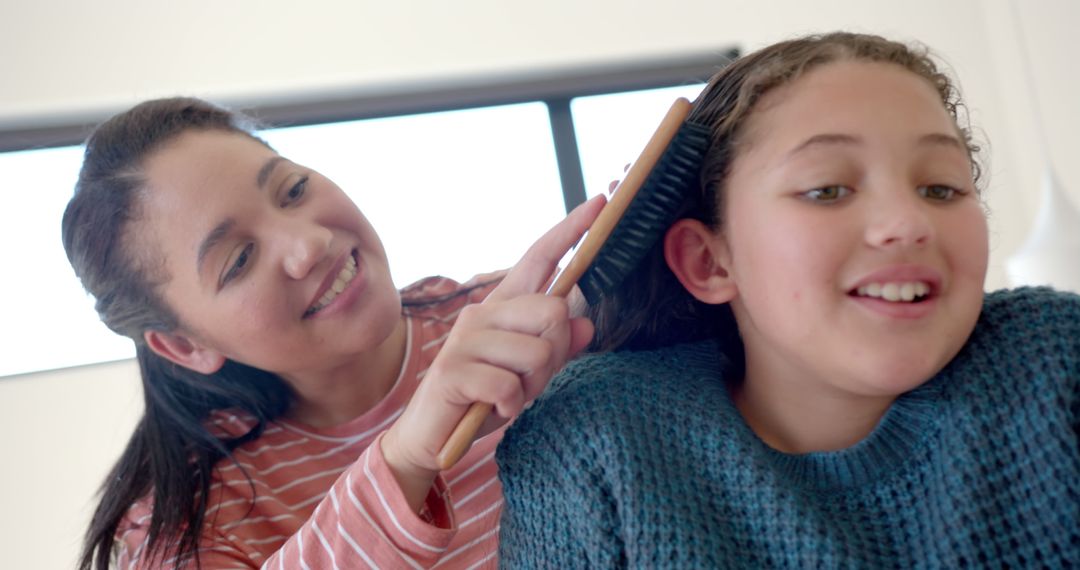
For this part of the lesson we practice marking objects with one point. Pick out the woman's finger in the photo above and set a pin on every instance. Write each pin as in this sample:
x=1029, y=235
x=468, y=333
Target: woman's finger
x=537, y=265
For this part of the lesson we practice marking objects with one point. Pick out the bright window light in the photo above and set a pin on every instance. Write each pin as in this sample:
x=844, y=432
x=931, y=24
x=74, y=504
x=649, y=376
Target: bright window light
x=455, y=194
x=612, y=129
x=49, y=321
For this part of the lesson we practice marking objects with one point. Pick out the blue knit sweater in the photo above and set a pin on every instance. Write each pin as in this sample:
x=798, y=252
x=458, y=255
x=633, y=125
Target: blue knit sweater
x=642, y=460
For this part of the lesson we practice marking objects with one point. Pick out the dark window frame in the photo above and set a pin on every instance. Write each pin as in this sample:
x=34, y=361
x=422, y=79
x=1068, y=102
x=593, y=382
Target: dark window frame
x=555, y=87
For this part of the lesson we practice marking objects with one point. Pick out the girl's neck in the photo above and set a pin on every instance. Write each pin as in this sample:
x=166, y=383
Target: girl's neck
x=338, y=395
x=797, y=417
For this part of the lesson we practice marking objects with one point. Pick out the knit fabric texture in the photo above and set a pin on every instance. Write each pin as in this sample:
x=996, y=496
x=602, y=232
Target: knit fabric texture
x=640, y=459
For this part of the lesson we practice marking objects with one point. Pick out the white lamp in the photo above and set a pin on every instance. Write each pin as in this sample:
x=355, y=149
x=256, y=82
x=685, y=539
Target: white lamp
x=1051, y=254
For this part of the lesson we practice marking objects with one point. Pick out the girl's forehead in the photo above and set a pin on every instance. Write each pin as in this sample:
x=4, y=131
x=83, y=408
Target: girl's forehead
x=849, y=96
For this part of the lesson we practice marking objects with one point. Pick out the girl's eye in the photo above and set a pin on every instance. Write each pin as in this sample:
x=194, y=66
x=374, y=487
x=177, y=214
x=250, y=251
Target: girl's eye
x=938, y=192
x=295, y=192
x=827, y=194
x=238, y=265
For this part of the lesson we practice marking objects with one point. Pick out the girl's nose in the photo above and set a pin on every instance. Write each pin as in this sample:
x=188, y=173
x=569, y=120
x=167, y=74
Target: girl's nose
x=305, y=245
x=901, y=223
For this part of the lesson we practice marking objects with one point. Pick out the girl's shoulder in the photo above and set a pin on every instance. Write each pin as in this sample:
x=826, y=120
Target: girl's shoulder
x=1030, y=312
x=1026, y=342
x=633, y=379
x=605, y=408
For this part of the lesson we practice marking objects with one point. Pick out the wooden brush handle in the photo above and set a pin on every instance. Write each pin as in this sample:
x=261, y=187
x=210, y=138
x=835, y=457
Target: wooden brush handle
x=462, y=437
x=623, y=195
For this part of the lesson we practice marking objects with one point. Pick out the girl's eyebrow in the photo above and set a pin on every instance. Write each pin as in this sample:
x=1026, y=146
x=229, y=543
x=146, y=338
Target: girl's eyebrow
x=825, y=139
x=929, y=139
x=942, y=139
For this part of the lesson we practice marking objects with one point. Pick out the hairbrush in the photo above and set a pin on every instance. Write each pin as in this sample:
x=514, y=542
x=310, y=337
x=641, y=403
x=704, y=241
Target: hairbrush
x=642, y=207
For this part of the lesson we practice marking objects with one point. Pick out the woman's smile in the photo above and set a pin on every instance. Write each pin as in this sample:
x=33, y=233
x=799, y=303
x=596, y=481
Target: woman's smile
x=339, y=289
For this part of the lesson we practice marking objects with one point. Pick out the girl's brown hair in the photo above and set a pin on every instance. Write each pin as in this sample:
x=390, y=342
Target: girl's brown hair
x=651, y=308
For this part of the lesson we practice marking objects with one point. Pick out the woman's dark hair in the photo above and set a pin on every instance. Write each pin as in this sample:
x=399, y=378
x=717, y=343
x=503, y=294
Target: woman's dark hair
x=651, y=308
x=172, y=454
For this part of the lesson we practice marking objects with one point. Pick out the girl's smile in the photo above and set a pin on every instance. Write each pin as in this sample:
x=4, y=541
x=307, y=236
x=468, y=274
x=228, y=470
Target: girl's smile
x=853, y=235
x=903, y=291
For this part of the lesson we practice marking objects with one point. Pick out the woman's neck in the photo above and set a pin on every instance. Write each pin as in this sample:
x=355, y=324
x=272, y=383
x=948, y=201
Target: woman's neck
x=337, y=395
x=799, y=417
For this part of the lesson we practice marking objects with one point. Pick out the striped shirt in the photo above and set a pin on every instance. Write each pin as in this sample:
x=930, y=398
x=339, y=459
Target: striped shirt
x=325, y=498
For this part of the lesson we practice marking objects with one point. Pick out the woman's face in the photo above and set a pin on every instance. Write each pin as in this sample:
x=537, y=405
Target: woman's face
x=854, y=234
x=265, y=261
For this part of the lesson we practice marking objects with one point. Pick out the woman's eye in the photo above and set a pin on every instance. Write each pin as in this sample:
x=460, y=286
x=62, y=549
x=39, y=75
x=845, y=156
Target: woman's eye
x=296, y=191
x=938, y=192
x=238, y=265
x=827, y=193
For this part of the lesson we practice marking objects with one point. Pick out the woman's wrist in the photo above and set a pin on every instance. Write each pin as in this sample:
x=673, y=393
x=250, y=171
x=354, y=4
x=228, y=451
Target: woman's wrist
x=415, y=482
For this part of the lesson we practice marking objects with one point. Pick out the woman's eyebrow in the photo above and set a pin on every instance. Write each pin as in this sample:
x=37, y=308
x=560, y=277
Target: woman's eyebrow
x=212, y=239
x=266, y=170
x=221, y=230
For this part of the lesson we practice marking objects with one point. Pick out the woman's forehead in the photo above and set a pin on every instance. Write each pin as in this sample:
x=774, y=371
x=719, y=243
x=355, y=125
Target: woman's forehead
x=197, y=182
x=197, y=151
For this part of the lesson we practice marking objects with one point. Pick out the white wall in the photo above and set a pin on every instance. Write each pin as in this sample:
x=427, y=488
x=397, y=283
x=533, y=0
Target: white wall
x=60, y=430
x=60, y=433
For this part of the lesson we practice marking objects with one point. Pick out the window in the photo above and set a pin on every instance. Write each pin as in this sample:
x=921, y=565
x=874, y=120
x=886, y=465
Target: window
x=490, y=171
x=454, y=193
x=613, y=128
x=49, y=322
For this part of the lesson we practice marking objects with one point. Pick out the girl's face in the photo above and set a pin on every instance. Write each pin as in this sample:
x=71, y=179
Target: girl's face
x=853, y=233
x=267, y=262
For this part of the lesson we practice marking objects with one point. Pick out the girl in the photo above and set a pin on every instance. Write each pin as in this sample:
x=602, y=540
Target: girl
x=294, y=399
x=816, y=378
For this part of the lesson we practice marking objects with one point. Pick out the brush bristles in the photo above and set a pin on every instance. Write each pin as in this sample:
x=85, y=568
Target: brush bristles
x=650, y=214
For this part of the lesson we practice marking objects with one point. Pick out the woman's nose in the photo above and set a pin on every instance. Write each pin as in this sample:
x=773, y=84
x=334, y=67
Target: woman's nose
x=305, y=245
x=901, y=222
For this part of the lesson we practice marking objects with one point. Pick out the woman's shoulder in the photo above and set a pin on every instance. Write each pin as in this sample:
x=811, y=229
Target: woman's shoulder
x=436, y=296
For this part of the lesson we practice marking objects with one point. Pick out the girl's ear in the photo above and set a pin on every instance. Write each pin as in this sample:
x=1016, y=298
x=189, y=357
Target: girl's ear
x=184, y=351
x=699, y=258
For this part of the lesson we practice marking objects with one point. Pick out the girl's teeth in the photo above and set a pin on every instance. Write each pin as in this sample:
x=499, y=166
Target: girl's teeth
x=890, y=292
x=893, y=292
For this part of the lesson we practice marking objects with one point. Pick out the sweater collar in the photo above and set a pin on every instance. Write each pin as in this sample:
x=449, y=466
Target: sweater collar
x=909, y=422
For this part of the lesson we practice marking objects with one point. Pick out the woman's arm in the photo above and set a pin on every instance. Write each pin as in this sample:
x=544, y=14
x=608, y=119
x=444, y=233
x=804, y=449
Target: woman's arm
x=363, y=521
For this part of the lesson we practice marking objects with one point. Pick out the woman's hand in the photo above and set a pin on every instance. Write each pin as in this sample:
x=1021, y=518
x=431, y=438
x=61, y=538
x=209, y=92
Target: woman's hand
x=502, y=352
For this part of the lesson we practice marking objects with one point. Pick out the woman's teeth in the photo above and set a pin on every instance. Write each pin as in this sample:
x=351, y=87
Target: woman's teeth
x=906, y=291
x=348, y=272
